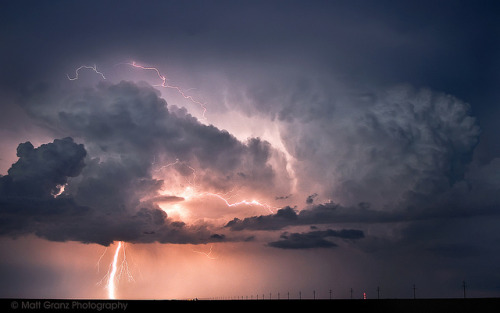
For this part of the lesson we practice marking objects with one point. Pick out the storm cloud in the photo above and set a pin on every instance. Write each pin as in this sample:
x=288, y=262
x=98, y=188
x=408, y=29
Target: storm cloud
x=105, y=191
x=33, y=203
x=131, y=124
x=314, y=239
x=41, y=172
x=400, y=145
x=363, y=133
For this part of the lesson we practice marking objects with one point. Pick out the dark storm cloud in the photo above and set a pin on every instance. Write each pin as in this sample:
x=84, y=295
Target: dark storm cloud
x=333, y=213
x=131, y=124
x=284, y=217
x=310, y=198
x=314, y=239
x=387, y=147
x=29, y=204
x=40, y=172
x=328, y=213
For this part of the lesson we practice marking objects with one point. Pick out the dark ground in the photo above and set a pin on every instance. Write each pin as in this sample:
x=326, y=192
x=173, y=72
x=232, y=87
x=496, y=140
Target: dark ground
x=472, y=305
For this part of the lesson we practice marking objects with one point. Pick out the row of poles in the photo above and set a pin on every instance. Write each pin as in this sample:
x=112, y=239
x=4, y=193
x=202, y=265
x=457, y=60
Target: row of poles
x=278, y=296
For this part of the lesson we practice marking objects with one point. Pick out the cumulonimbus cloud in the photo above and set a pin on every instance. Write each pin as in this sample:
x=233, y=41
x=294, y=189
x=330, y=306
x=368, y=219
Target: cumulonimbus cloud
x=103, y=189
x=385, y=150
x=384, y=147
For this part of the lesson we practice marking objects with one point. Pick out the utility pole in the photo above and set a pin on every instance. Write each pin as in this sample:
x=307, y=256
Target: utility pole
x=351, y=293
x=378, y=292
x=414, y=294
x=300, y=295
x=465, y=286
x=330, y=294
x=314, y=294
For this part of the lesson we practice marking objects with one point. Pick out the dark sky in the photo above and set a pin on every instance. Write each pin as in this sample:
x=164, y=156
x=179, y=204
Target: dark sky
x=368, y=128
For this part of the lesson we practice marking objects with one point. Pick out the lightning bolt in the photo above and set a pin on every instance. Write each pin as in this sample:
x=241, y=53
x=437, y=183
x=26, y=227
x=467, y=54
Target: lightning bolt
x=243, y=202
x=94, y=68
x=111, y=280
x=165, y=84
x=100, y=258
x=163, y=79
x=207, y=254
x=115, y=270
x=191, y=181
x=191, y=191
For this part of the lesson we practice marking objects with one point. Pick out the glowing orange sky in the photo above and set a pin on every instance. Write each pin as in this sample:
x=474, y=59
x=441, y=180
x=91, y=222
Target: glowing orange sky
x=170, y=271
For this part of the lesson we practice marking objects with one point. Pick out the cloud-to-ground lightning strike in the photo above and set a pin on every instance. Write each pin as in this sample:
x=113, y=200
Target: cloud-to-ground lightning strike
x=115, y=270
x=165, y=84
x=94, y=68
x=112, y=275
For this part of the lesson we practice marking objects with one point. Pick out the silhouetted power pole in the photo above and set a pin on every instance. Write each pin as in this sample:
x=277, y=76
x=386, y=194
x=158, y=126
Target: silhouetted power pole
x=414, y=294
x=330, y=294
x=351, y=293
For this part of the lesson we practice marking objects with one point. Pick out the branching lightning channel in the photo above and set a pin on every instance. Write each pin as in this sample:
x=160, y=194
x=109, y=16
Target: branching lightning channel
x=115, y=270
x=207, y=254
x=166, y=84
x=191, y=182
x=224, y=197
x=100, y=258
x=243, y=202
x=77, y=71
